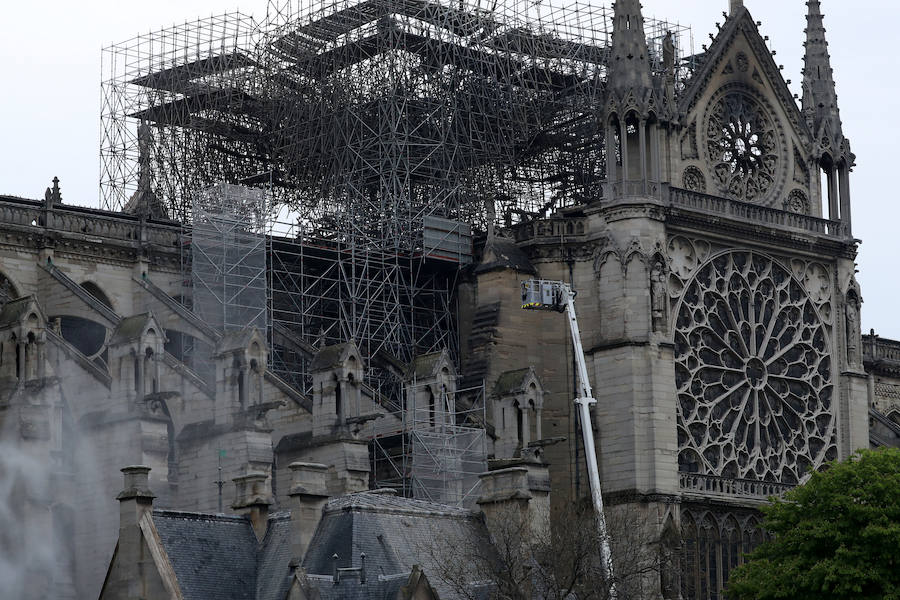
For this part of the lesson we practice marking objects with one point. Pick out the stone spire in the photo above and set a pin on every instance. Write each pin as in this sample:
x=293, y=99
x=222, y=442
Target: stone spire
x=629, y=65
x=735, y=5
x=819, y=97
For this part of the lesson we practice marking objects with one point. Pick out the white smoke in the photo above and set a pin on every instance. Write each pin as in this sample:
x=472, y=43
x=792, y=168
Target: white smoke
x=28, y=546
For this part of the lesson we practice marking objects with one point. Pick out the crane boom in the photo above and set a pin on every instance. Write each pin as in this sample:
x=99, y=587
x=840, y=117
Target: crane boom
x=539, y=294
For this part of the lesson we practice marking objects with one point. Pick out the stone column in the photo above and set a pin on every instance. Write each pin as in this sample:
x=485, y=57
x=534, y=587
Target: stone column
x=833, y=207
x=642, y=140
x=844, y=186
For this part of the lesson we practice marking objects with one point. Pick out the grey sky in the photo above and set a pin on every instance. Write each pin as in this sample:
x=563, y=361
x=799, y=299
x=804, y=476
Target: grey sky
x=50, y=99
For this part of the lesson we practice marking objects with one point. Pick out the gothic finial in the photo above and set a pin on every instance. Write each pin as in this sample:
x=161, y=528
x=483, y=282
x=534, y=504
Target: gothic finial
x=735, y=5
x=819, y=96
x=630, y=65
x=54, y=195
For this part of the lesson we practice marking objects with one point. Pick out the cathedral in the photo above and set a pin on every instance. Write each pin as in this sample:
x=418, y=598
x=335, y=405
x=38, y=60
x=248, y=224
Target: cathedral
x=296, y=324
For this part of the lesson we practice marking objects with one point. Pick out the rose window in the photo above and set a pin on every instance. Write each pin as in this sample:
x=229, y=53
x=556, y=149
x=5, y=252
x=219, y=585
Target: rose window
x=742, y=146
x=753, y=373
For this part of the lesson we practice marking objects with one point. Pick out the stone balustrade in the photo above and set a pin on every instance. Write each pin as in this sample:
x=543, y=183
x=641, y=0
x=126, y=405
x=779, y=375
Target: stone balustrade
x=712, y=485
x=554, y=228
x=876, y=349
x=85, y=221
x=676, y=198
x=753, y=213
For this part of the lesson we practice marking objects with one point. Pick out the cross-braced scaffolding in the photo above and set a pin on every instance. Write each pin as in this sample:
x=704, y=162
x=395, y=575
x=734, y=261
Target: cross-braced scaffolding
x=385, y=132
x=438, y=449
x=228, y=257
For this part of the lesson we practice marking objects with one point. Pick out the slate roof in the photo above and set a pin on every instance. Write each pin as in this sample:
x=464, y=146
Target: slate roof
x=13, y=311
x=395, y=534
x=328, y=357
x=236, y=340
x=129, y=328
x=217, y=557
x=214, y=556
x=273, y=571
x=423, y=366
x=502, y=253
x=511, y=381
x=381, y=587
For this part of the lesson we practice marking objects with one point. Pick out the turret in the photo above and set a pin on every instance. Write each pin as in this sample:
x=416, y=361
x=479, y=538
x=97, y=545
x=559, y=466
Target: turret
x=632, y=138
x=831, y=150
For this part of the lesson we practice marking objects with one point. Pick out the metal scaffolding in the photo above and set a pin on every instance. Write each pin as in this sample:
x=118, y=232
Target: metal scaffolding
x=387, y=133
x=228, y=258
x=437, y=450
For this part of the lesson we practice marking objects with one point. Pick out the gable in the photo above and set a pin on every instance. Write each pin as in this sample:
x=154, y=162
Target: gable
x=738, y=102
x=157, y=582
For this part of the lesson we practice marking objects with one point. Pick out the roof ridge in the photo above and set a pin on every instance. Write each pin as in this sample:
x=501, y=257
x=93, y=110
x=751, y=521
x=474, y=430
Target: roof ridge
x=373, y=502
x=199, y=516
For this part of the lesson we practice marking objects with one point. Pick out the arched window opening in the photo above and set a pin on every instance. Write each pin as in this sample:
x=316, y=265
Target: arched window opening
x=18, y=359
x=520, y=425
x=338, y=400
x=351, y=384
x=432, y=409
x=829, y=188
x=690, y=562
x=137, y=373
x=242, y=387
x=87, y=336
x=94, y=290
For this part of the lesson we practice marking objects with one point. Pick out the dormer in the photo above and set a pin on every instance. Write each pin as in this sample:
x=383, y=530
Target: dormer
x=136, y=348
x=337, y=373
x=431, y=390
x=22, y=337
x=518, y=401
x=240, y=360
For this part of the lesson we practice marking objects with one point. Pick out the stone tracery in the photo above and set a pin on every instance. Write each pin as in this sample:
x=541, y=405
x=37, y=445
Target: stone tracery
x=742, y=147
x=753, y=373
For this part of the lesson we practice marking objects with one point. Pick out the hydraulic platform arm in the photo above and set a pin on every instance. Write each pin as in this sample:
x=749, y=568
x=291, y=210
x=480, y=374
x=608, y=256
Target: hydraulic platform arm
x=538, y=294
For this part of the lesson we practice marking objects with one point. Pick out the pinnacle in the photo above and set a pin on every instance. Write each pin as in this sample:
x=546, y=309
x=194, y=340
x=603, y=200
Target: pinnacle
x=819, y=96
x=630, y=65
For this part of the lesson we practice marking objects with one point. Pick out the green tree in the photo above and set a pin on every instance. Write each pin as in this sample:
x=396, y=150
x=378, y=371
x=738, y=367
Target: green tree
x=835, y=537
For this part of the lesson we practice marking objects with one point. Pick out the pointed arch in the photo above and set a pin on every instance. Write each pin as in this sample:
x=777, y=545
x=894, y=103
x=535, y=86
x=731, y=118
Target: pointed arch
x=690, y=560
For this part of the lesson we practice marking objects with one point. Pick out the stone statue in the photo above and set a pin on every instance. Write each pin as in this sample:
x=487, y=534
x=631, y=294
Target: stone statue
x=853, y=329
x=658, y=296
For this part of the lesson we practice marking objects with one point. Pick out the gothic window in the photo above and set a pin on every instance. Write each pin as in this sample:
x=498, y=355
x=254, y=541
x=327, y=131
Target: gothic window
x=690, y=574
x=753, y=373
x=712, y=546
x=742, y=146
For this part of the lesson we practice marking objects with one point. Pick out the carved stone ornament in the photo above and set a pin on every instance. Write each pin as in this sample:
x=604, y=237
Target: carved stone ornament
x=743, y=146
x=694, y=180
x=797, y=202
x=753, y=373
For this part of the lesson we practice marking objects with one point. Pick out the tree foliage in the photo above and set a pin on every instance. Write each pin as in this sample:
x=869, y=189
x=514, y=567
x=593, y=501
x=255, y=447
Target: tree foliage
x=835, y=537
